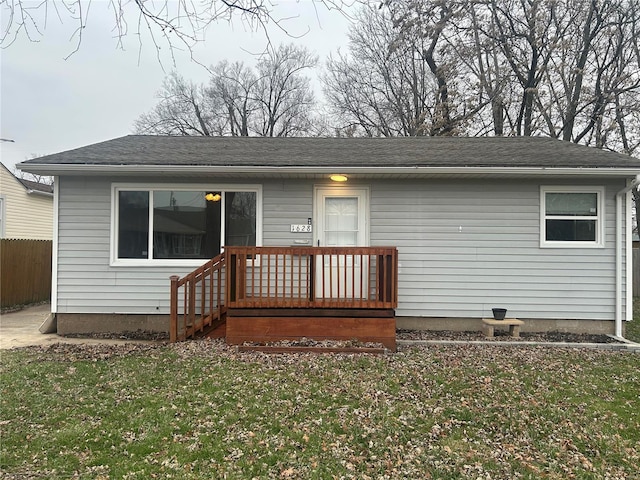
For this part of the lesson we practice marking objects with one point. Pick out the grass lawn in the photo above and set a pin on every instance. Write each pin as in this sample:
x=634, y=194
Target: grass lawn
x=200, y=410
x=633, y=328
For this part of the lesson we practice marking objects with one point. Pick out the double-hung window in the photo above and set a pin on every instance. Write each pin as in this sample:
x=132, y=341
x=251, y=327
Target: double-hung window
x=183, y=223
x=572, y=217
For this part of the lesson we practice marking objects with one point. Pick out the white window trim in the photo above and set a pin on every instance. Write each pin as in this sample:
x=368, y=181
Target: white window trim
x=177, y=262
x=599, y=241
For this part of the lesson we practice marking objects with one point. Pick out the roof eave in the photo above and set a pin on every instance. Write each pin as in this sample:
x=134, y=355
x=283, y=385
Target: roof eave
x=162, y=170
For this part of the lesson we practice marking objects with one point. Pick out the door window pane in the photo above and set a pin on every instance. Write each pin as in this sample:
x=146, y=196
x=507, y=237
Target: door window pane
x=341, y=221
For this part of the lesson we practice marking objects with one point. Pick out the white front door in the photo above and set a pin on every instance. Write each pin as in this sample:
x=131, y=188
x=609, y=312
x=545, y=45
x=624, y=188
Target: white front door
x=341, y=221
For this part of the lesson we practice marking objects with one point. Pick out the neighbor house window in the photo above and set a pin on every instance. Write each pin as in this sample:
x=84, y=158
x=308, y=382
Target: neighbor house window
x=572, y=217
x=162, y=224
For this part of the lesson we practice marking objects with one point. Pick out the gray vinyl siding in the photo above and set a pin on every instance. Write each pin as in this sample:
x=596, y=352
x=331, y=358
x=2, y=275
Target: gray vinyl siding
x=286, y=202
x=86, y=283
x=495, y=261
x=467, y=246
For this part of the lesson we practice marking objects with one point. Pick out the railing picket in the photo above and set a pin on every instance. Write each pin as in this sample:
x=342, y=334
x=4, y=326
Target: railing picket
x=210, y=306
x=331, y=275
x=301, y=288
x=291, y=282
x=362, y=267
x=203, y=299
x=277, y=276
x=173, y=321
x=185, y=312
x=249, y=260
x=322, y=274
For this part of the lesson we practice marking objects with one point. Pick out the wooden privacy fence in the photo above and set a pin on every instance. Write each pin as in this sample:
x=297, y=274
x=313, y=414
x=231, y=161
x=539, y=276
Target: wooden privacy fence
x=25, y=271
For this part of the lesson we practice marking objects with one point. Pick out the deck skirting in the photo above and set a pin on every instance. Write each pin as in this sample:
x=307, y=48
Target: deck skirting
x=273, y=325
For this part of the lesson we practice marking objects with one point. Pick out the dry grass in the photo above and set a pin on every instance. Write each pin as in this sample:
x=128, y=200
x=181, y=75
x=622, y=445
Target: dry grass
x=201, y=410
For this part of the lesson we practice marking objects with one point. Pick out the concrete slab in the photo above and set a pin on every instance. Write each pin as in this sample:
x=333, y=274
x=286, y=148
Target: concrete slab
x=21, y=329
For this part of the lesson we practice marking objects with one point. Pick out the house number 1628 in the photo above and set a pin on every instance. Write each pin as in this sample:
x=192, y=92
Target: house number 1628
x=300, y=228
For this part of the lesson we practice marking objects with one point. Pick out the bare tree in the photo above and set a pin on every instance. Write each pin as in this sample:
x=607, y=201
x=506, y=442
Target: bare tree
x=275, y=99
x=284, y=93
x=481, y=56
x=403, y=74
x=171, y=24
x=563, y=68
x=184, y=109
x=381, y=87
x=234, y=85
x=527, y=33
x=434, y=24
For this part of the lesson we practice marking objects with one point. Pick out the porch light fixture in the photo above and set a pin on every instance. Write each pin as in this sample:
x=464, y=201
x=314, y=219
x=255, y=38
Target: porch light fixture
x=212, y=197
x=338, y=178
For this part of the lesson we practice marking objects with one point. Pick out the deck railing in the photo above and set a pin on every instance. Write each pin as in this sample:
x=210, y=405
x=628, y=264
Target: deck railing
x=197, y=300
x=312, y=277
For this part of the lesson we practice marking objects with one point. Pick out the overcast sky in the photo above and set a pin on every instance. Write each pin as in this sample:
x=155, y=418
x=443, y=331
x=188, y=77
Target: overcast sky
x=49, y=104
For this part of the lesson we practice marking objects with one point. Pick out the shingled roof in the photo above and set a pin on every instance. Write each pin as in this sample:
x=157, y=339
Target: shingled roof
x=36, y=186
x=382, y=153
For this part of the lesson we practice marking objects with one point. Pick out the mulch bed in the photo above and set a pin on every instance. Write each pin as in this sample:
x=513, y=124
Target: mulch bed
x=471, y=336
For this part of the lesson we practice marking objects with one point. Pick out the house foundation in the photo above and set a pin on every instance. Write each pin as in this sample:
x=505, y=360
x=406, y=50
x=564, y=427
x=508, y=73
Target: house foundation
x=88, y=323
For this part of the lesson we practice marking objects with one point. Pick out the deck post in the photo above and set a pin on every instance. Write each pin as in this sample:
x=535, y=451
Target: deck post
x=231, y=278
x=173, y=318
x=311, y=286
x=388, y=290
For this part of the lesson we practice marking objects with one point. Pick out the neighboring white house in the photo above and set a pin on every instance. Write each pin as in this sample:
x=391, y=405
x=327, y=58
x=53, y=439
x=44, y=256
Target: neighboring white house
x=26, y=208
x=539, y=226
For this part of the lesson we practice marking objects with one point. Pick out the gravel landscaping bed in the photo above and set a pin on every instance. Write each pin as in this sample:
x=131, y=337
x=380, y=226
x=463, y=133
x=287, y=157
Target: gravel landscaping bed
x=503, y=336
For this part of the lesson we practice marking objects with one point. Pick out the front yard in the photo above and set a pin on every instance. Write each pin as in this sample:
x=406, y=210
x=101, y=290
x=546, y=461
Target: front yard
x=201, y=410
x=633, y=328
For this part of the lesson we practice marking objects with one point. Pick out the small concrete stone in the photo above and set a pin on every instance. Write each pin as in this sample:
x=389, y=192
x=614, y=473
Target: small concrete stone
x=513, y=323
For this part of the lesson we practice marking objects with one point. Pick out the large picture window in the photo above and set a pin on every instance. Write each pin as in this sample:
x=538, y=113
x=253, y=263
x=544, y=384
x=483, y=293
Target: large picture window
x=571, y=216
x=163, y=224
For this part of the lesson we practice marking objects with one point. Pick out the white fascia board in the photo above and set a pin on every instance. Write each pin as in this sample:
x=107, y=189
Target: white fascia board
x=61, y=169
x=38, y=192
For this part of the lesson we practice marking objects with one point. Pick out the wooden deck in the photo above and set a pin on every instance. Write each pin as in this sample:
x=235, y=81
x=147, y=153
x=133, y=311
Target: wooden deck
x=268, y=294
